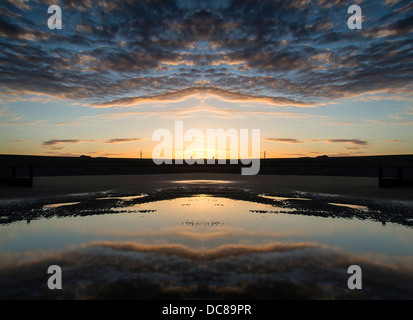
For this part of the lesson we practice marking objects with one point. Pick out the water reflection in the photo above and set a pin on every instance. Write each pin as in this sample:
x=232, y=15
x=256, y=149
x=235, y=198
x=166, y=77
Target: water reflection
x=128, y=198
x=281, y=198
x=108, y=270
x=205, y=243
x=202, y=182
x=318, y=206
x=353, y=206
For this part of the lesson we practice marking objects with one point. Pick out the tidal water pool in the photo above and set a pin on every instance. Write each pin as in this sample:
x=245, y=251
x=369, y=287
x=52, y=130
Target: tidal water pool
x=205, y=243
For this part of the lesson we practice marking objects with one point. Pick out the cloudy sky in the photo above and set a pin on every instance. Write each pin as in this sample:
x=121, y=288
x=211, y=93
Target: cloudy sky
x=120, y=69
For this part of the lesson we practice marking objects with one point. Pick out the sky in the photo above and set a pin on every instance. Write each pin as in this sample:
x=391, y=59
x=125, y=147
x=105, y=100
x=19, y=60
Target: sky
x=118, y=70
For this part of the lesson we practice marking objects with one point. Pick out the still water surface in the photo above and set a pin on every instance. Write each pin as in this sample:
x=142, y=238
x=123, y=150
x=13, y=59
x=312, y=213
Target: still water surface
x=213, y=236
x=205, y=222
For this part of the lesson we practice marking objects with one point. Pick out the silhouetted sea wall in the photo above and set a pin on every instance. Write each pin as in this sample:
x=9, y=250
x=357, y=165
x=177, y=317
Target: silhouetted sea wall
x=343, y=166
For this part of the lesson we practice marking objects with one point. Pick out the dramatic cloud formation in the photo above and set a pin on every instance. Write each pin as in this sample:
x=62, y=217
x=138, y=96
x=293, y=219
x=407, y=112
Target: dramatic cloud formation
x=131, y=270
x=281, y=52
x=223, y=94
x=255, y=60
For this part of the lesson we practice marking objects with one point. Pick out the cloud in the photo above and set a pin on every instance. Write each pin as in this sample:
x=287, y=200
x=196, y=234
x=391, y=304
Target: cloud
x=73, y=123
x=390, y=2
x=53, y=148
x=4, y=114
x=17, y=123
x=392, y=122
x=223, y=94
x=129, y=52
x=343, y=123
x=123, y=140
x=354, y=148
x=400, y=28
x=335, y=3
x=56, y=141
x=286, y=140
x=351, y=141
x=189, y=112
x=21, y=4
x=15, y=32
x=356, y=142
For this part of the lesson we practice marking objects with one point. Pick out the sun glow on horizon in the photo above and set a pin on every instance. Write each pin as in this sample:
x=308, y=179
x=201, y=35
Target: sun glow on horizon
x=92, y=89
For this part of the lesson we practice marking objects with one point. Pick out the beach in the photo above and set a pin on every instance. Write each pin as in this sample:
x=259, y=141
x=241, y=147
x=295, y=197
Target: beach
x=206, y=236
x=357, y=187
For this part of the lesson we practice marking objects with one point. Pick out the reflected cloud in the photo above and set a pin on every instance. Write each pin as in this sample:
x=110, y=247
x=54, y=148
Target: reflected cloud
x=117, y=270
x=353, y=206
x=217, y=232
x=202, y=181
x=282, y=198
x=58, y=205
x=127, y=198
x=204, y=242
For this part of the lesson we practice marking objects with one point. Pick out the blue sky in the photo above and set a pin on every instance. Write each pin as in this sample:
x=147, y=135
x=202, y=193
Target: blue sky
x=119, y=70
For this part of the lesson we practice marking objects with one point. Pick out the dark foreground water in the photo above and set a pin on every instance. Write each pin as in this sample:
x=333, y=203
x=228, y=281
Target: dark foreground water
x=205, y=243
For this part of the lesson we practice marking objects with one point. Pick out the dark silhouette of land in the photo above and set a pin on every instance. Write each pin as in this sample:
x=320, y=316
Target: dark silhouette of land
x=350, y=176
x=44, y=166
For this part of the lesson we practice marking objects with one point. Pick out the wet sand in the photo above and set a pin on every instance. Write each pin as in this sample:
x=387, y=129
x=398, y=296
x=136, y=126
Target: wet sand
x=357, y=187
x=152, y=252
